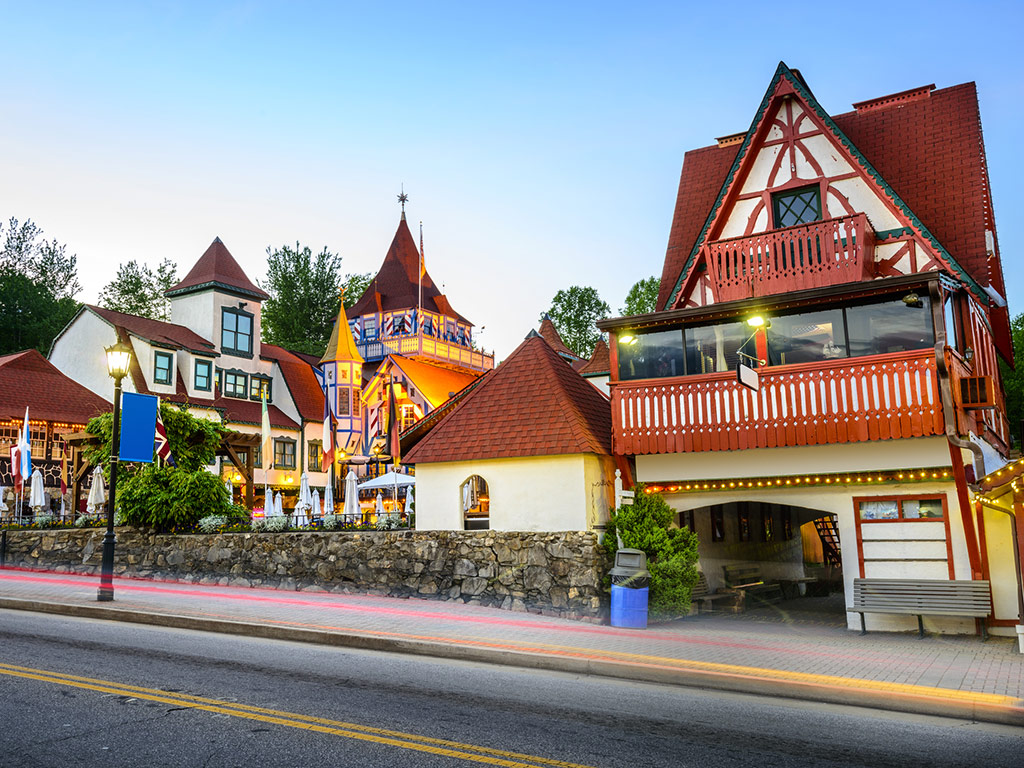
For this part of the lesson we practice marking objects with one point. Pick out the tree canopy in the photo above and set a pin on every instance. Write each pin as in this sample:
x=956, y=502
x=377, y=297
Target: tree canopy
x=304, y=297
x=574, y=312
x=642, y=297
x=138, y=290
x=38, y=282
x=1013, y=379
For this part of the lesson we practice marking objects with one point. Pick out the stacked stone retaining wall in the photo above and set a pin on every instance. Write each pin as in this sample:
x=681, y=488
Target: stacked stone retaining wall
x=556, y=574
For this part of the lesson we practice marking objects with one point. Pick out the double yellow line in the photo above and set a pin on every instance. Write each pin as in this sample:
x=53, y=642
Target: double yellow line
x=382, y=736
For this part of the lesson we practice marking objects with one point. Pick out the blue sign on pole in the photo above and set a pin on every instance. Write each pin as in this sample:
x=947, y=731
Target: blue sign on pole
x=138, y=426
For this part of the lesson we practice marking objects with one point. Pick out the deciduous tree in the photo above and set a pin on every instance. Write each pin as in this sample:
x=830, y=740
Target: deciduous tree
x=642, y=297
x=1013, y=379
x=138, y=290
x=574, y=311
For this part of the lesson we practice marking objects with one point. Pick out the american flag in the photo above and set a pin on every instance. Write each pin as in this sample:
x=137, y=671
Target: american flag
x=161, y=445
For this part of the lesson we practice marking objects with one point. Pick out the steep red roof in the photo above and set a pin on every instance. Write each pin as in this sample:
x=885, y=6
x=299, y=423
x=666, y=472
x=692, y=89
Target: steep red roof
x=157, y=331
x=241, y=411
x=27, y=379
x=397, y=283
x=550, y=334
x=302, y=382
x=929, y=150
x=533, y=404
x=600, y=362
x=218, y=268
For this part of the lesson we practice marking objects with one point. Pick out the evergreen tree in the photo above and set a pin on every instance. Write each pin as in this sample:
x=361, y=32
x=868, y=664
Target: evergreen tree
x=1013, y=379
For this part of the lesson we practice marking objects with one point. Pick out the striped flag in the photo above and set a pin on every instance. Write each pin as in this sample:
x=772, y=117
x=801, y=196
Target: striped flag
x=162, y=445
x=63, y=466
x=25, y=449
x=268, y=444
x=394, y=446
x=327, y=446
x=389, y=325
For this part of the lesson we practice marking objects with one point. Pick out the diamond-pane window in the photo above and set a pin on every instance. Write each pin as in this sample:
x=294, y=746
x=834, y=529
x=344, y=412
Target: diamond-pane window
x=798, y=206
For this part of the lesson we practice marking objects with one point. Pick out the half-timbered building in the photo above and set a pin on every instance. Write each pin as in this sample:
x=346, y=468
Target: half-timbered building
x=822, y=373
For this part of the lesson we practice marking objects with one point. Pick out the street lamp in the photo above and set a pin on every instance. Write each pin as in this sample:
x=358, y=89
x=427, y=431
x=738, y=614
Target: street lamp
x=119, y=356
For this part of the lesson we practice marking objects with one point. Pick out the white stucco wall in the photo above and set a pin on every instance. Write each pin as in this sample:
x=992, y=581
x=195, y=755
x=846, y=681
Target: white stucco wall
x=200, y=312
x=78, y=354
x=547, y=493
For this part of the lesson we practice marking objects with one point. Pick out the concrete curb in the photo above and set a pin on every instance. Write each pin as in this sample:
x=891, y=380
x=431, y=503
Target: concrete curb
x=922, y=704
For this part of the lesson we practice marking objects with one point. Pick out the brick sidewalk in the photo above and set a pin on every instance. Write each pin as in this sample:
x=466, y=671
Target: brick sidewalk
x=786, y=644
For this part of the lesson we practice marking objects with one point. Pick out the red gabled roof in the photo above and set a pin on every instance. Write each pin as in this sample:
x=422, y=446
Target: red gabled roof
x=157, y=331
x=27, y=379
x=217, y=268
x=397, y=284
x=928, y=149
x=600, y=362
x=302, y=382
x=533, y=404
x=242, y=411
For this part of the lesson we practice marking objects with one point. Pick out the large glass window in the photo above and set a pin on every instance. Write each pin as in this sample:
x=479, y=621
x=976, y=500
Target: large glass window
x=899, y=508
x=203, y=374
x=162, y=363
x=236, y=331
x=235, y=384
x=954, y=328
x=893, y=325
x=259, y=387
x=717, y=348
x=797, y=206
x=648, y=355
x=807, y=337
x=284, y=453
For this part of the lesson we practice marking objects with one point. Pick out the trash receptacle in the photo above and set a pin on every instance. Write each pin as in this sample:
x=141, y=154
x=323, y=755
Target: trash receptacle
x=630, y=578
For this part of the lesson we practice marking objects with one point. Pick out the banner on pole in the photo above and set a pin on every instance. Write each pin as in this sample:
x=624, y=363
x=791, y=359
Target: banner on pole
x=138, y=425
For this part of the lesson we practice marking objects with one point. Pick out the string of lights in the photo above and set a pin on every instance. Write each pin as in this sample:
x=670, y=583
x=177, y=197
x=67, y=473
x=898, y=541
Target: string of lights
x=927, y=474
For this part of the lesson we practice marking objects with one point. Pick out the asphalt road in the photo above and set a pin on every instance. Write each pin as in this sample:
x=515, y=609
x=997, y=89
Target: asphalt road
x=76, y=692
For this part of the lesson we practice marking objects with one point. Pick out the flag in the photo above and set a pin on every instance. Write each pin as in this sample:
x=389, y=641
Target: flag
x=268, y=444
x=328, y=441
x=63, y=467
x=394, y=448
x=389, y=325
x=161, y=445
x=16, y=468
x=25, y=448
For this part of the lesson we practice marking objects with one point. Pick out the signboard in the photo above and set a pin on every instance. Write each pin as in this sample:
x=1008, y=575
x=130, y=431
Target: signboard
x=138, y=427
x=747, y=377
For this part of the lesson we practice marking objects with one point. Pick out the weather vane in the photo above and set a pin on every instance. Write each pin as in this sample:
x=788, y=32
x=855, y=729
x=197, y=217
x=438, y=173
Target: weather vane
x=402, y=198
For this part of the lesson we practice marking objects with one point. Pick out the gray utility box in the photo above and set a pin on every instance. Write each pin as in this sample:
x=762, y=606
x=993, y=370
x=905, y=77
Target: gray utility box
x=630, y=569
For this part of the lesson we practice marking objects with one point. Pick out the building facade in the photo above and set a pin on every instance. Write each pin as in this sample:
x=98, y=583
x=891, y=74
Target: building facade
x=824, y=363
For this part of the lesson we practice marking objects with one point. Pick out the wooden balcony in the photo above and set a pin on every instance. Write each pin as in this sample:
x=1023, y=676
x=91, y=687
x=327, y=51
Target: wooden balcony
x=427, y=348
x=812, y=255
x=839, y=401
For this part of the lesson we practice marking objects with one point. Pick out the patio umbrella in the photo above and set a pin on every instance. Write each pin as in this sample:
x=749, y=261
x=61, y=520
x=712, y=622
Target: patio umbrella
x=315, y=511
x=278, y=504
x=351, y=510
x=97, y=494
x=408, y=502
x=3, y=493
x=305, y=502
x=328, y=500
x=36, y=498
x=388, y=480
x=379, y=506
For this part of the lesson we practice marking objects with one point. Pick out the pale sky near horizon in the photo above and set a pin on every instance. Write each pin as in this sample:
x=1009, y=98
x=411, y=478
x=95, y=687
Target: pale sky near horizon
x=540, y=143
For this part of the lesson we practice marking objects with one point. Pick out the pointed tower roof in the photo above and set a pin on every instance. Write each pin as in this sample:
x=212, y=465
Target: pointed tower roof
x=217, y=268
x=397, y=284
x=533, y=404
x=549, y=333
x=600, y=362
x=342, y=347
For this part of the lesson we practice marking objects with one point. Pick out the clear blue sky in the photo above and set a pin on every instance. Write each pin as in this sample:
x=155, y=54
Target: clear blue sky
x=540, y=143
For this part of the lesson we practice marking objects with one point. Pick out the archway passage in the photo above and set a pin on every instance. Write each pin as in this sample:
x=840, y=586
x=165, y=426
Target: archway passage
x=769, y=555
x=476, y=504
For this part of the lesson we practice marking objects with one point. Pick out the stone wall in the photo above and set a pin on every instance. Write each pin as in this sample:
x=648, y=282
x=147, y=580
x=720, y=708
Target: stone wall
x=555, y=574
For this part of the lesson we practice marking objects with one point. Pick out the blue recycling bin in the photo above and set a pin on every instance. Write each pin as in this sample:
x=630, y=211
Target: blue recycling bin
x=629, y=589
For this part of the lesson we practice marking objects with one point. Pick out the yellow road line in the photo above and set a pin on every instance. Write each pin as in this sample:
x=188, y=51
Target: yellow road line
x=321, y=725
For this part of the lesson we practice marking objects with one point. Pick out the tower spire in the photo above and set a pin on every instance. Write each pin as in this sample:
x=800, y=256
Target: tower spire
x=402, y=198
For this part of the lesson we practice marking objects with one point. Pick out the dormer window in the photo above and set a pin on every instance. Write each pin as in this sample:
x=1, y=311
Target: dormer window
x=162, y=364
x=203, y=374
x=235, y=384
x=259, y=386
x=796, y=206
x=236, y=332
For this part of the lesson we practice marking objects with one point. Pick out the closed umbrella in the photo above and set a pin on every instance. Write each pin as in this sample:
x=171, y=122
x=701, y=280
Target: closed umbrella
x=3, y=493
x=36, y=498
x=278, y=504
x=379, y=506
x=98, y=493
x=315, y=512
x=305, y=502
x=351, y=512
x=328, y=500
x=408, y=503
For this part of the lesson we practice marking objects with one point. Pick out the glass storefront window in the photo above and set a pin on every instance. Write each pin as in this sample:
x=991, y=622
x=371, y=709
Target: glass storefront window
x=886, y=509
x=923, y=508
x=716, y=348
x=650, y=355
x=806, y=338
x=889, y=326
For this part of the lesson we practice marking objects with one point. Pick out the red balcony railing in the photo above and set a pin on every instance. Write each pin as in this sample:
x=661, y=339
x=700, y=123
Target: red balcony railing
x=812, y=255
x=867, y=398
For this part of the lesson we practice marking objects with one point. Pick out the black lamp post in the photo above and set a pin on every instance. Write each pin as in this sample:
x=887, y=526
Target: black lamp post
x=118, y=358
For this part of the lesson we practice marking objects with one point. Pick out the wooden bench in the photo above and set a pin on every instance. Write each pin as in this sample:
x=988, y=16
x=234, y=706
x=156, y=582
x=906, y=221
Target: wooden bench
x=916, y=597
x=746, y=580
x=702, y=596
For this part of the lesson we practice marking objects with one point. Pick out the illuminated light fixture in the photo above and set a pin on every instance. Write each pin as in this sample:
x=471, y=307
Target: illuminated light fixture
x=119, y=357
x=913, y=300
x=759, y=322
x=627, y=338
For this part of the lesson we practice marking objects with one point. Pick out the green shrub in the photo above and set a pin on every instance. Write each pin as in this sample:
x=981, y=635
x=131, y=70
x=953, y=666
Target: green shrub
x=671, y=552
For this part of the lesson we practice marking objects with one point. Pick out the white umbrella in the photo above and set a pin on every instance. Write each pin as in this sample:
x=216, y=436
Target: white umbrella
x=388, y=480
x=278, y=504
x=351, y=510
x=36, y=498
x=315, y=512
x=408, y=503
x=3, y=493
x=379, y=506
x=328, y=500
x=305, y=502
x=97, y=494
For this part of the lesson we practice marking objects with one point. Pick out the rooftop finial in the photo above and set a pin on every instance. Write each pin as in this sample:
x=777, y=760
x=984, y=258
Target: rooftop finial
x=402, y=198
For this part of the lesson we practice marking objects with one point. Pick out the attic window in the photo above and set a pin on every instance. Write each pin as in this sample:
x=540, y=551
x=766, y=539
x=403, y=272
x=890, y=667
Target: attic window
x=796, y=206
x=236, y=332
x=162, y=362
